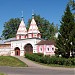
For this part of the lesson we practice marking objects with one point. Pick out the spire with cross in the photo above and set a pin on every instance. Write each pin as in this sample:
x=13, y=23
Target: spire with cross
x=32, y=13
x=22, y=15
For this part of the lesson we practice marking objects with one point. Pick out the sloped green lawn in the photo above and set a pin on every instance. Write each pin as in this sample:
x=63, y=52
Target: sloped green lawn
x=11, y=61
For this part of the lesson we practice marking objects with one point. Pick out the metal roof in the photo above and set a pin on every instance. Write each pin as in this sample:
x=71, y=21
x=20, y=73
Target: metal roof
x=8, y=40
x=46, y=42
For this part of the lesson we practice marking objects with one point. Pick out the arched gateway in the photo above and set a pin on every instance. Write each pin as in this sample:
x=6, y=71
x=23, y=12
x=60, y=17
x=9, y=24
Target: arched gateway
x=26, y=40
x=28, y=48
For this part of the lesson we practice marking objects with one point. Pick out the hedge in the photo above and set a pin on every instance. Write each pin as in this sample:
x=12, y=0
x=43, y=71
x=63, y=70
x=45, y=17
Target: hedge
x=51, y=60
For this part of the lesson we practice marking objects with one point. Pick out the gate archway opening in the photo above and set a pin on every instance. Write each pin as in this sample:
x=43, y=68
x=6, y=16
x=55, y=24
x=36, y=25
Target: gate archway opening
x=17, y=51
x=28, y=48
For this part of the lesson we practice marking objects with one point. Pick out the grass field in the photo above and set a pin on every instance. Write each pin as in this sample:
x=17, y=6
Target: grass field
x=2, y=74
x=11, y=61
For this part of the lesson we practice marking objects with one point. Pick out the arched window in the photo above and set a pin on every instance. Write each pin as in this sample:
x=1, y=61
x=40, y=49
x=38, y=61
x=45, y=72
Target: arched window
x=53, y=49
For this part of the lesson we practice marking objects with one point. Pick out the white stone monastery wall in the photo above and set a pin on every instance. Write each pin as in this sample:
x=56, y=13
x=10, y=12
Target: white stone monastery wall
x=5, y=51
x=21, y=43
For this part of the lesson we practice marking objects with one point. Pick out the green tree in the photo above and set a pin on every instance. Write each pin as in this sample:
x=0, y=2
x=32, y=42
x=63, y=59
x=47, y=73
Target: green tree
x=72, y=6
x=47, y=29
x=10, y=28
x=66, y=38
x=0, y=38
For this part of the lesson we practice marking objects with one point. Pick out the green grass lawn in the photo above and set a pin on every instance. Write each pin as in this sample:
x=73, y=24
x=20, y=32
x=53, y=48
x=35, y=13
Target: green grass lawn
x=11, y=61
x=2, y=74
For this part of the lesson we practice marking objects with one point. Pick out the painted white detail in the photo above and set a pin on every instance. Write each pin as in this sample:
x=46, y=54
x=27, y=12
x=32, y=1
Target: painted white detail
x=22, y=53
x=12, y=53
x=33, y=27
x=22, y=31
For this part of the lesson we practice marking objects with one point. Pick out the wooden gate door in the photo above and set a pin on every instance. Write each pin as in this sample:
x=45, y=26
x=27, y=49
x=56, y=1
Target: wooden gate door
x=17, y=52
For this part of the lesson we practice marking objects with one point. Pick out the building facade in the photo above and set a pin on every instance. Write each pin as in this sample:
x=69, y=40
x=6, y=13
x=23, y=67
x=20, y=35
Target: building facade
x=27, y=42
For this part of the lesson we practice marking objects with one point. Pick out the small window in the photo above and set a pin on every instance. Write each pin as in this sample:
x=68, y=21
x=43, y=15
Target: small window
x=48, y=49
x=41, y=49
x=53, y=49
x=35, y=35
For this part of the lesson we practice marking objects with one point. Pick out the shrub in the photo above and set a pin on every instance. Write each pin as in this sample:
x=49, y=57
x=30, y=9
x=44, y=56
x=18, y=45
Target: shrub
x=39, y=54
x=73, y=61
x=61, y=61
x=50, y=60
x=69, y=62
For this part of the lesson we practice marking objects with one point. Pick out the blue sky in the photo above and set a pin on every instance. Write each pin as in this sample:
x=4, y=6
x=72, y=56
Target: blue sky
x=51, y=10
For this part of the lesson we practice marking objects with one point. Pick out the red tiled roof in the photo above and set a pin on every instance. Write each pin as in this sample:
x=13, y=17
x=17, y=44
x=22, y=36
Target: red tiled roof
x=46, y=42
